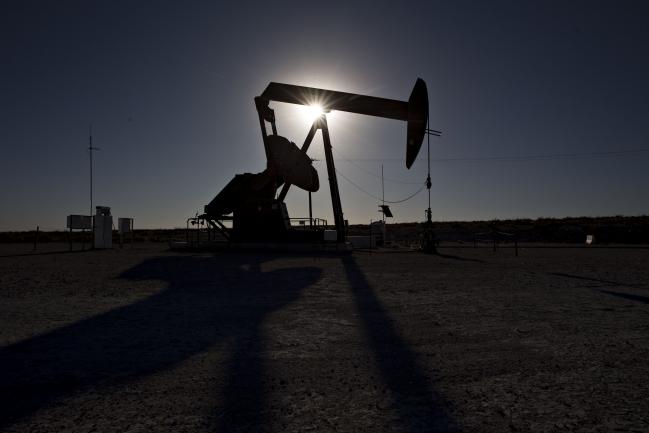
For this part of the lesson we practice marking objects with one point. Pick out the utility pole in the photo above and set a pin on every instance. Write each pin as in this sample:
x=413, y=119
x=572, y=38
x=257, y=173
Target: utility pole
x=428, y=244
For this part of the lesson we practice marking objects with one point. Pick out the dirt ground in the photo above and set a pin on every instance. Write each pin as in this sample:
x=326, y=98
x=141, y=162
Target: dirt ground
x=148, y=340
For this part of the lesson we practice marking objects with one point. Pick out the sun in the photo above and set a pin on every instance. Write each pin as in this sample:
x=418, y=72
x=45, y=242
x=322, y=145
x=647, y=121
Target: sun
x=312, y=112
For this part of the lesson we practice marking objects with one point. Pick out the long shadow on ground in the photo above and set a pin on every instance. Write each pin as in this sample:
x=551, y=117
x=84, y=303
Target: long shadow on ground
x=629, y=296
x=597, y=280
x=208, y=299
x=464, y=259
x=419, y=407
x=609, y=283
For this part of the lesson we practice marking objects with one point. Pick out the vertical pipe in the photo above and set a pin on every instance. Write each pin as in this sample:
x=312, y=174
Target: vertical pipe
x=310, y=211
x=382, y=194
x=429, y=213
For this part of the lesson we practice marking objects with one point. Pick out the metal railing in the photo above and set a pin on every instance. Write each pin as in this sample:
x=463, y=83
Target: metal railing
x=307, y=223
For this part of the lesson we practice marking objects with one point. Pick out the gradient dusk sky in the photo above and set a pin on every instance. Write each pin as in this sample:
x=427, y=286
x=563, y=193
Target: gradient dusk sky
x=560, y=90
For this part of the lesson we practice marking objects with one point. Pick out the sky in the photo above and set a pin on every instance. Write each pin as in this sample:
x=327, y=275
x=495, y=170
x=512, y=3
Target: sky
x=544, y=106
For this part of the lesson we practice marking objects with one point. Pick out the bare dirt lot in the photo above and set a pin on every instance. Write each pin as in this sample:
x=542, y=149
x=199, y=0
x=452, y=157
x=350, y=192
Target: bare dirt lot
x=144, y=340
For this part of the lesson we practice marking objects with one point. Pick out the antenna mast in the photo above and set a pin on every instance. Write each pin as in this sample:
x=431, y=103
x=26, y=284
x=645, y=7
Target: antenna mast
x=90, y=153
x=90, y=149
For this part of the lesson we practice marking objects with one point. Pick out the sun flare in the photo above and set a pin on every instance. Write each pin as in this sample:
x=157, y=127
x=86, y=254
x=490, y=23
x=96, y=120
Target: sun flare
x=312, y=112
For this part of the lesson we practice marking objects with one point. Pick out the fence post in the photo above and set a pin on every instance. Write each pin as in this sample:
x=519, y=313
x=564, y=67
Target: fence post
x=36, y=238
x=516, y=246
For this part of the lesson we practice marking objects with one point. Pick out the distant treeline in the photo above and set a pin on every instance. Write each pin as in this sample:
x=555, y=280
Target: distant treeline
x=616, y=229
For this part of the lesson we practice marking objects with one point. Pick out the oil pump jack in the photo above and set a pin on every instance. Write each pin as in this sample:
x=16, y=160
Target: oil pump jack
x=251, y=201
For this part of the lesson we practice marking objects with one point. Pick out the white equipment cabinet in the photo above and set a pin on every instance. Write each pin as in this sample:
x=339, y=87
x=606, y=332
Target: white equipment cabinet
x=125, y=225
x=103, y=228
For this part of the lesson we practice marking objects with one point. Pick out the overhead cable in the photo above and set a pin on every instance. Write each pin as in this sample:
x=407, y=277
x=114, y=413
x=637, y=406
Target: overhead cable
x=376, y=197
